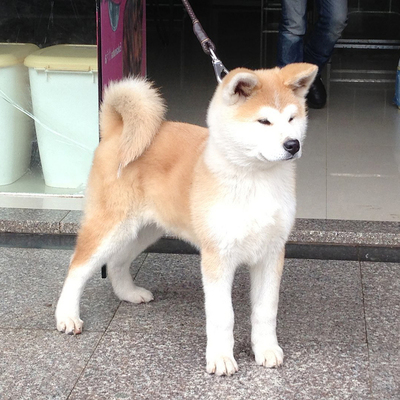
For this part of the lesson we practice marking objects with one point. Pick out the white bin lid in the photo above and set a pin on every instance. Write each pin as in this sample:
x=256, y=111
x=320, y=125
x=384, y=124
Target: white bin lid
x=15, y=53
x=64, y=57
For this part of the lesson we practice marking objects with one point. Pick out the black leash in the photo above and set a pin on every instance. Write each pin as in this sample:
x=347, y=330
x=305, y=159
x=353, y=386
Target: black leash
x=206, y=43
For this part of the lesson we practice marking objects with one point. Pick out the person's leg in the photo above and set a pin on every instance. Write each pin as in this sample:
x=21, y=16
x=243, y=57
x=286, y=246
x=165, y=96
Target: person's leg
x=328, y=29
x=291, y=32
x=319, y=47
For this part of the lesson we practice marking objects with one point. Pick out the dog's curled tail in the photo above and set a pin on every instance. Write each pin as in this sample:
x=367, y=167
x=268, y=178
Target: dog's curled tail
x=135, y=106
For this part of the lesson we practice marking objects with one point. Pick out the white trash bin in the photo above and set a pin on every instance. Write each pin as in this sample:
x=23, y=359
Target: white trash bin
x=64, y=90
x=16, y=130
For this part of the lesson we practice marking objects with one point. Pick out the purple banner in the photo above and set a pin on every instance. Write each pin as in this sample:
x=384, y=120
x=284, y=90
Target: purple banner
x=121, y=39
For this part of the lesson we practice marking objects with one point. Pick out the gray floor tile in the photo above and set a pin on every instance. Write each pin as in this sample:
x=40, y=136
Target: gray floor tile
x=31, y=281
x=321, y=300
x=36, y=364
x=311, y=198
x=382, y=309
x=71, y=223
x=175, y=281
x=367, y=233
x=163, y=363
x=157, y=350
x=30, y=220
x=350, y=198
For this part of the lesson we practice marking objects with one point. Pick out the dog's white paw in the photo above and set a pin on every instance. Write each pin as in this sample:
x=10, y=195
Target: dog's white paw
x=222, y=365
x=269, y=357
x=69, y=325
x=138, y=295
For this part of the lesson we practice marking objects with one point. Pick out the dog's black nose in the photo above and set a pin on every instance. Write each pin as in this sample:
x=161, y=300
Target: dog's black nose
x=292, y=146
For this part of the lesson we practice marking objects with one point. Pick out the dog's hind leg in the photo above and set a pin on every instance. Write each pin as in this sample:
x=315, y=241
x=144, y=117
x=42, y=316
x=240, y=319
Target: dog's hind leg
x=265, y=282
x=118, y=266
x=96, y=244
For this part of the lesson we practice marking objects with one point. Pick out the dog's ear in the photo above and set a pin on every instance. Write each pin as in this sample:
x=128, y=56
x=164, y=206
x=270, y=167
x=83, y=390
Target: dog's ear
x=299, y=77
x=239, y=85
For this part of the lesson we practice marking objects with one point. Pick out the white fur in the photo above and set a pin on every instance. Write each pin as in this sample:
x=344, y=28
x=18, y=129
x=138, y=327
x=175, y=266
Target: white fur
x=251, y=224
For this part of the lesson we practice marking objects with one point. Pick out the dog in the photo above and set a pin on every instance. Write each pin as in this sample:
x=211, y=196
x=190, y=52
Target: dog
x=229, y=190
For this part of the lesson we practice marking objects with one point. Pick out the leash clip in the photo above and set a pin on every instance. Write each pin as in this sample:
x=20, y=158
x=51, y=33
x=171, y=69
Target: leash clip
x=219, y=68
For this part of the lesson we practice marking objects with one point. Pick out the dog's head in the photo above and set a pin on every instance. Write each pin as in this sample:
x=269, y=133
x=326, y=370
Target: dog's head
x=260, y=116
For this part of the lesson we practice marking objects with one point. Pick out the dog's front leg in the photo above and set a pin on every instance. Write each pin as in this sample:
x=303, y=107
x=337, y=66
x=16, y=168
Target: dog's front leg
x=217, y=282
x=265, y=282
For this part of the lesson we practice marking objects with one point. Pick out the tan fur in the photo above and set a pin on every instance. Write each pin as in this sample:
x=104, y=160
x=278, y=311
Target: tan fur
x=270, y=83
x=211, y=266
x=168, y=162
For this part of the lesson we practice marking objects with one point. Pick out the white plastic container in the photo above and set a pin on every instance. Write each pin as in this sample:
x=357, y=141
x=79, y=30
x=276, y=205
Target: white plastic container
x=16, y=128
x=64, y=90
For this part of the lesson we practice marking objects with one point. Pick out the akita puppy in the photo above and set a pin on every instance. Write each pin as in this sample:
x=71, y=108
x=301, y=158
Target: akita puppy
x=229, y=190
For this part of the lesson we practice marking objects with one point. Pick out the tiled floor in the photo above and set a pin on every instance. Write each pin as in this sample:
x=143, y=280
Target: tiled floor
x=351, y=165
x=338, y=325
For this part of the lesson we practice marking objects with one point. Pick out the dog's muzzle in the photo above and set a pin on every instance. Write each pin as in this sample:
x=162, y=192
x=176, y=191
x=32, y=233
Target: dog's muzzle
x=292, y=146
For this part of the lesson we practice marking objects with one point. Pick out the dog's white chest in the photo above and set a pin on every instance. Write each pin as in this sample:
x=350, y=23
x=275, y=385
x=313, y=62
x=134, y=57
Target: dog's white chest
x=246, y=220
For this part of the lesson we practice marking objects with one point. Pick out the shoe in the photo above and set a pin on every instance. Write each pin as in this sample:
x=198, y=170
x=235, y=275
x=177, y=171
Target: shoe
x=316, y=97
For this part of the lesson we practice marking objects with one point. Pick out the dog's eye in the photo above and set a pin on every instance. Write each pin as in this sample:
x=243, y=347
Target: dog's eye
x=264, y=122
x=291, y=119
